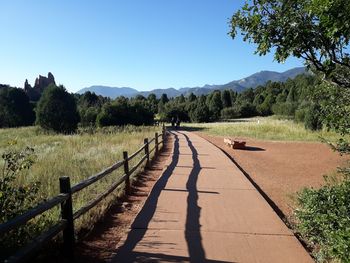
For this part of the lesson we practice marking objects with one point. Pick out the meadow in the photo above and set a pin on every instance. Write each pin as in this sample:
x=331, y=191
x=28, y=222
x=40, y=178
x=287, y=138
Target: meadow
x=264, y=128
x=77, y=156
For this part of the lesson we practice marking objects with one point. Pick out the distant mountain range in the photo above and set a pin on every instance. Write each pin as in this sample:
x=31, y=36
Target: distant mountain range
x=111, y=92
x=252, y=81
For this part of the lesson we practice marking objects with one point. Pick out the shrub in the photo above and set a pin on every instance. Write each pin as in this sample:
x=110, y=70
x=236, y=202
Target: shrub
x=88, y=116
x=247, y=110
x=324, y=220
x=300, y=114
x=284, y=109
x=313, y=118
x=229, y=113
x=57, y=110
x=16, y=198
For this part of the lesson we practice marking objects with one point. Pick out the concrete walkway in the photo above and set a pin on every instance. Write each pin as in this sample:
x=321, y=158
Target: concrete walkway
x=203, y=209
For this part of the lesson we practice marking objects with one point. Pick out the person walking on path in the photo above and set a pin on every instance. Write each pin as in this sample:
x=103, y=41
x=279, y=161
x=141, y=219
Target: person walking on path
x=177, y=122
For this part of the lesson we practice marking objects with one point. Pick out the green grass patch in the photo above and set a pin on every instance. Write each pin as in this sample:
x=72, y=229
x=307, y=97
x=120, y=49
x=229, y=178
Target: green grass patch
x=264, y=128
x=77, y=156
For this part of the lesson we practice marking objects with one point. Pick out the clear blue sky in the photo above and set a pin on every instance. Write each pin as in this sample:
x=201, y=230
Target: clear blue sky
x=144, y=44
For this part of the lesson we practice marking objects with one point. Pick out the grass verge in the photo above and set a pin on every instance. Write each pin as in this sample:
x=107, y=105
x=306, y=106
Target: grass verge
x=77, y=156
x=264, y=128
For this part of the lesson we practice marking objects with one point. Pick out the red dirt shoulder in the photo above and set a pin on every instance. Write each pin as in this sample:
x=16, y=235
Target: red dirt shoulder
x=281, y=169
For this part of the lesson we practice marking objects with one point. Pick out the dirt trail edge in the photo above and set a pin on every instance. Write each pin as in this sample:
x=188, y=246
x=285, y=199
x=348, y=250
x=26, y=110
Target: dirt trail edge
x=100, y=243
x=203, y=209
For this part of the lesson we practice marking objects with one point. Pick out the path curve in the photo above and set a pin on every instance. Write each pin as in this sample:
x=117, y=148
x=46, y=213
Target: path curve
x=203, y=209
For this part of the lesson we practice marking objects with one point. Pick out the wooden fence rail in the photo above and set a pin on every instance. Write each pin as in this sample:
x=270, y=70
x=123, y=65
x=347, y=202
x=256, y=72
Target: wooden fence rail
x=64, y=199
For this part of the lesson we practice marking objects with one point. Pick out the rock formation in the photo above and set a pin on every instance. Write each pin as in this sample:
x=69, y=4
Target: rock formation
x=41, y=83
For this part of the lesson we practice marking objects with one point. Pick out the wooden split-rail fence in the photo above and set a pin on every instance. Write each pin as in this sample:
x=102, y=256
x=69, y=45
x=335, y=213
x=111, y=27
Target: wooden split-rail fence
x=64, y=199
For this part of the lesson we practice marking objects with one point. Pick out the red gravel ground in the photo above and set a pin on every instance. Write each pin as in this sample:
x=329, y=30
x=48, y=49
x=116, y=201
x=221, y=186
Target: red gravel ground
x=281, y=169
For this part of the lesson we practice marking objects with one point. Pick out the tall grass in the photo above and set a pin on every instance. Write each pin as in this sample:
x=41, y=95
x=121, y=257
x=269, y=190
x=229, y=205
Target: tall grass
x=77, y=156
x=265, y=128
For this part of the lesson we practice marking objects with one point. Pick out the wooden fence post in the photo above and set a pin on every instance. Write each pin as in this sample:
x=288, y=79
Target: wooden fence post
x=67, y=214
x=156, y=143
x=126, y=171
x=163, y=133
x=145, y=141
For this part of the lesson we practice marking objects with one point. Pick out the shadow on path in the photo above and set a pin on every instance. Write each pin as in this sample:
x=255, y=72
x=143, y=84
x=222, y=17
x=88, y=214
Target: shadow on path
x=125, y=252
x=192, y=230
x=192, y=233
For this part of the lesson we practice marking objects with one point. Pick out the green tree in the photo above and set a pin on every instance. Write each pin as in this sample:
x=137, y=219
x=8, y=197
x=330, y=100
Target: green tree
x=233, y=95
x=89, y=106
x=316, y=30
x=292, y=95
x=246, y=96
x=15, y=109
x=153, y=102
x=265, y=108
x=191, y=97
x=114, y=113
x=199, y=113
x=246, y=110
x=180, y=99
x=215, y=105
x=57, y=110
x=226, y=99
x=177, y=110
x=164, y=98
x=139, y=113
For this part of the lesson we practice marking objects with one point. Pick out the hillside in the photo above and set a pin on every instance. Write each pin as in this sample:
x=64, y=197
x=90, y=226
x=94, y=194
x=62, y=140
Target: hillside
x=111, y=92
x=259, y=78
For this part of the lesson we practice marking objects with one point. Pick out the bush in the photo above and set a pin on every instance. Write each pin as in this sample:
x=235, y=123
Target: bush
x=324, y=220
x=247, y=110
x=229, y=113
x=57, y=110
x=15, y=199
x=313, y=118
x=300, y=114
x=88, y=116
x=284, y=109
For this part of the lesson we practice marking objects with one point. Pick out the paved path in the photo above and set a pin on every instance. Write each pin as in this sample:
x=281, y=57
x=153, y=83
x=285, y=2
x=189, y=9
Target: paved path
x=203, y=209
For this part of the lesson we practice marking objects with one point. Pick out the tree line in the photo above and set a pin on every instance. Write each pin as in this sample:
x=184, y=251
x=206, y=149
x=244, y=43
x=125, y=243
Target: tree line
x=303, y=99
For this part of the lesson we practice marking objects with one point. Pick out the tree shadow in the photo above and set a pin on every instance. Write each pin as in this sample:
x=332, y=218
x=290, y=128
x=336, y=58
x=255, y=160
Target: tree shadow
x=192, y=232
x=159, y=257
x=235, y=120
x=191, y=128
x=126, y=252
